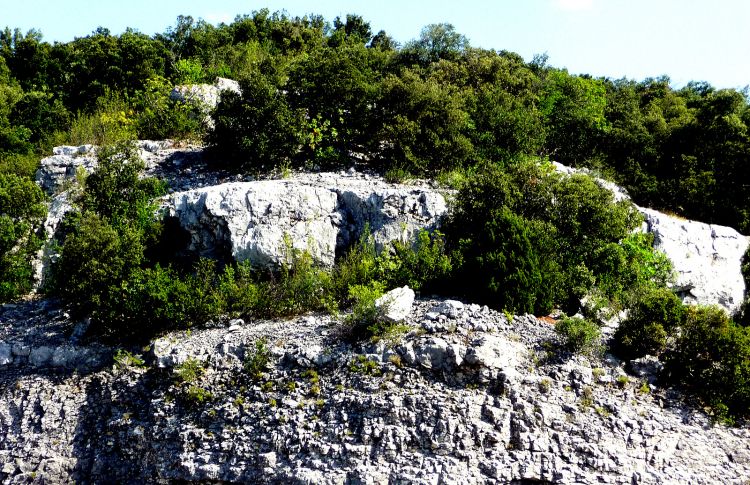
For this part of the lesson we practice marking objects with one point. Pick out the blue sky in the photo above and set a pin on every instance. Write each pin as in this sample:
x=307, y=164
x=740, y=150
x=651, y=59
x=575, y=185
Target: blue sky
x=701, y=40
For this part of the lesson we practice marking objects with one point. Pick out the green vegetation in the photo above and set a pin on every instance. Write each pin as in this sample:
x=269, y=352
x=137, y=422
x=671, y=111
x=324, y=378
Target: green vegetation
x=711, y=357
x=653, y=315
x=189, y=371
x=315, y=94
x=578, y=334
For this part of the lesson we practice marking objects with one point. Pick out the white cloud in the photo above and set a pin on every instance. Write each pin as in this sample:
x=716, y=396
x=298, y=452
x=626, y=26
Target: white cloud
x=574, y=4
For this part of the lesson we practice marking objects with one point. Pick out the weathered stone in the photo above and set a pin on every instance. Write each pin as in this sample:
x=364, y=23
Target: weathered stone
x=396, y=305
x=706, y=257
x=495, y=352
x=167, y=353
x=450, y=308
x=255, y=220
x=40, y=356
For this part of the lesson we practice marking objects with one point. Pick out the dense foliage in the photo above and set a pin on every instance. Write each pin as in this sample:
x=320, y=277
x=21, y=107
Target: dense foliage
x=529, y=239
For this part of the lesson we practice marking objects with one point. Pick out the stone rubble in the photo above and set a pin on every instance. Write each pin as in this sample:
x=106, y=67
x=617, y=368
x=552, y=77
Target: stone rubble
x=465, y=396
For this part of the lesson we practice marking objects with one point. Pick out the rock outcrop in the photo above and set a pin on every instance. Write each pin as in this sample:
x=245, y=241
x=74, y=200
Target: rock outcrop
x=205, y=97
x=466, y=396
x=706, y=257
x=320, y=213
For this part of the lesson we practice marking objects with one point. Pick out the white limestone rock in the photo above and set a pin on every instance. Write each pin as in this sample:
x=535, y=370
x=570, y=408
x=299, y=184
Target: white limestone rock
x=55, y=170
x=495, y=352
x=706, y=257
x=396, y=305
x=450, y=308
x=6, y=356
x=205, y=97
x=252, y=220
x=323, y=215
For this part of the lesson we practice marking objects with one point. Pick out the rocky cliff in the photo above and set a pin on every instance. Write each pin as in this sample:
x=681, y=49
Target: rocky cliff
x=467, y=395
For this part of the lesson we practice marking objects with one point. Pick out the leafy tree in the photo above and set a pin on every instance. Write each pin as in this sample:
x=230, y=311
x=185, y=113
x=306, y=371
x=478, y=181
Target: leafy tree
x=354, y=30
x=436, y=41
x=573, y=108
x=340, y=86
x=258, y=128
x=424, y=125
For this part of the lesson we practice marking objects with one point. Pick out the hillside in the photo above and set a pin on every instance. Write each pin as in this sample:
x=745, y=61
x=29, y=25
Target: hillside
x=361, y=262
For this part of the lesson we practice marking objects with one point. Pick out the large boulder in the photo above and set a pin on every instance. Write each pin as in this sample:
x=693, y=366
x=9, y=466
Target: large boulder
x=255, y=220
x=321, y=213
x=396, y=305
x=706, y=257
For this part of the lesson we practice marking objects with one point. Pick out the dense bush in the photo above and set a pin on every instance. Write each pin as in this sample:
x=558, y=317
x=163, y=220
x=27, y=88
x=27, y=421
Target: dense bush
x=94, y=259
x=711, y=357
x=653, y=316
x=744, y=314
x=579, y=335
x=22, y=209
x=529, y=239
x=256, y=130
x=159, y=117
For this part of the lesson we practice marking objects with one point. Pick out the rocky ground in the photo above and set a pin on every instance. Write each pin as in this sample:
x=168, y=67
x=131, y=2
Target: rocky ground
x=465, y=396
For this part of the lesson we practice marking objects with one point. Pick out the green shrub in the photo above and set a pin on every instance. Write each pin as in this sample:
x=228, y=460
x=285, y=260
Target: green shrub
x=420, y=264
x=257, y=359
x=299, y=286
x=93, y=260
x=115, y=190
x=579, y=335
x=528, y=238
x=363, y=322
x=711, y=357
x=113, y=122
x=256, y=130
x=161, y=117
x=189, y=371
x=124, y=359
x=424, y=126
x=743, y=317
x=22, y=210
x=653, y=316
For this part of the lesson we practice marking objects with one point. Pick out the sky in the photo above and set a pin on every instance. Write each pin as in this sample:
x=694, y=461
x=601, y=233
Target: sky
x=687, y=40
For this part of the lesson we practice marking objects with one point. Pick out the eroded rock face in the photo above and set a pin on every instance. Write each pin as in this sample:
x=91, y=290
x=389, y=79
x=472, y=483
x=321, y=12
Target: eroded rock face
x=320, y=213
x=252, y=220
x=706, y=257
x=60, y=169
x=479, y=401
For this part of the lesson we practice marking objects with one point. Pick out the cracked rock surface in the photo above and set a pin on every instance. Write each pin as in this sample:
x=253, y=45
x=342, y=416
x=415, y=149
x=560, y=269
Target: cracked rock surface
x=465, y=396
